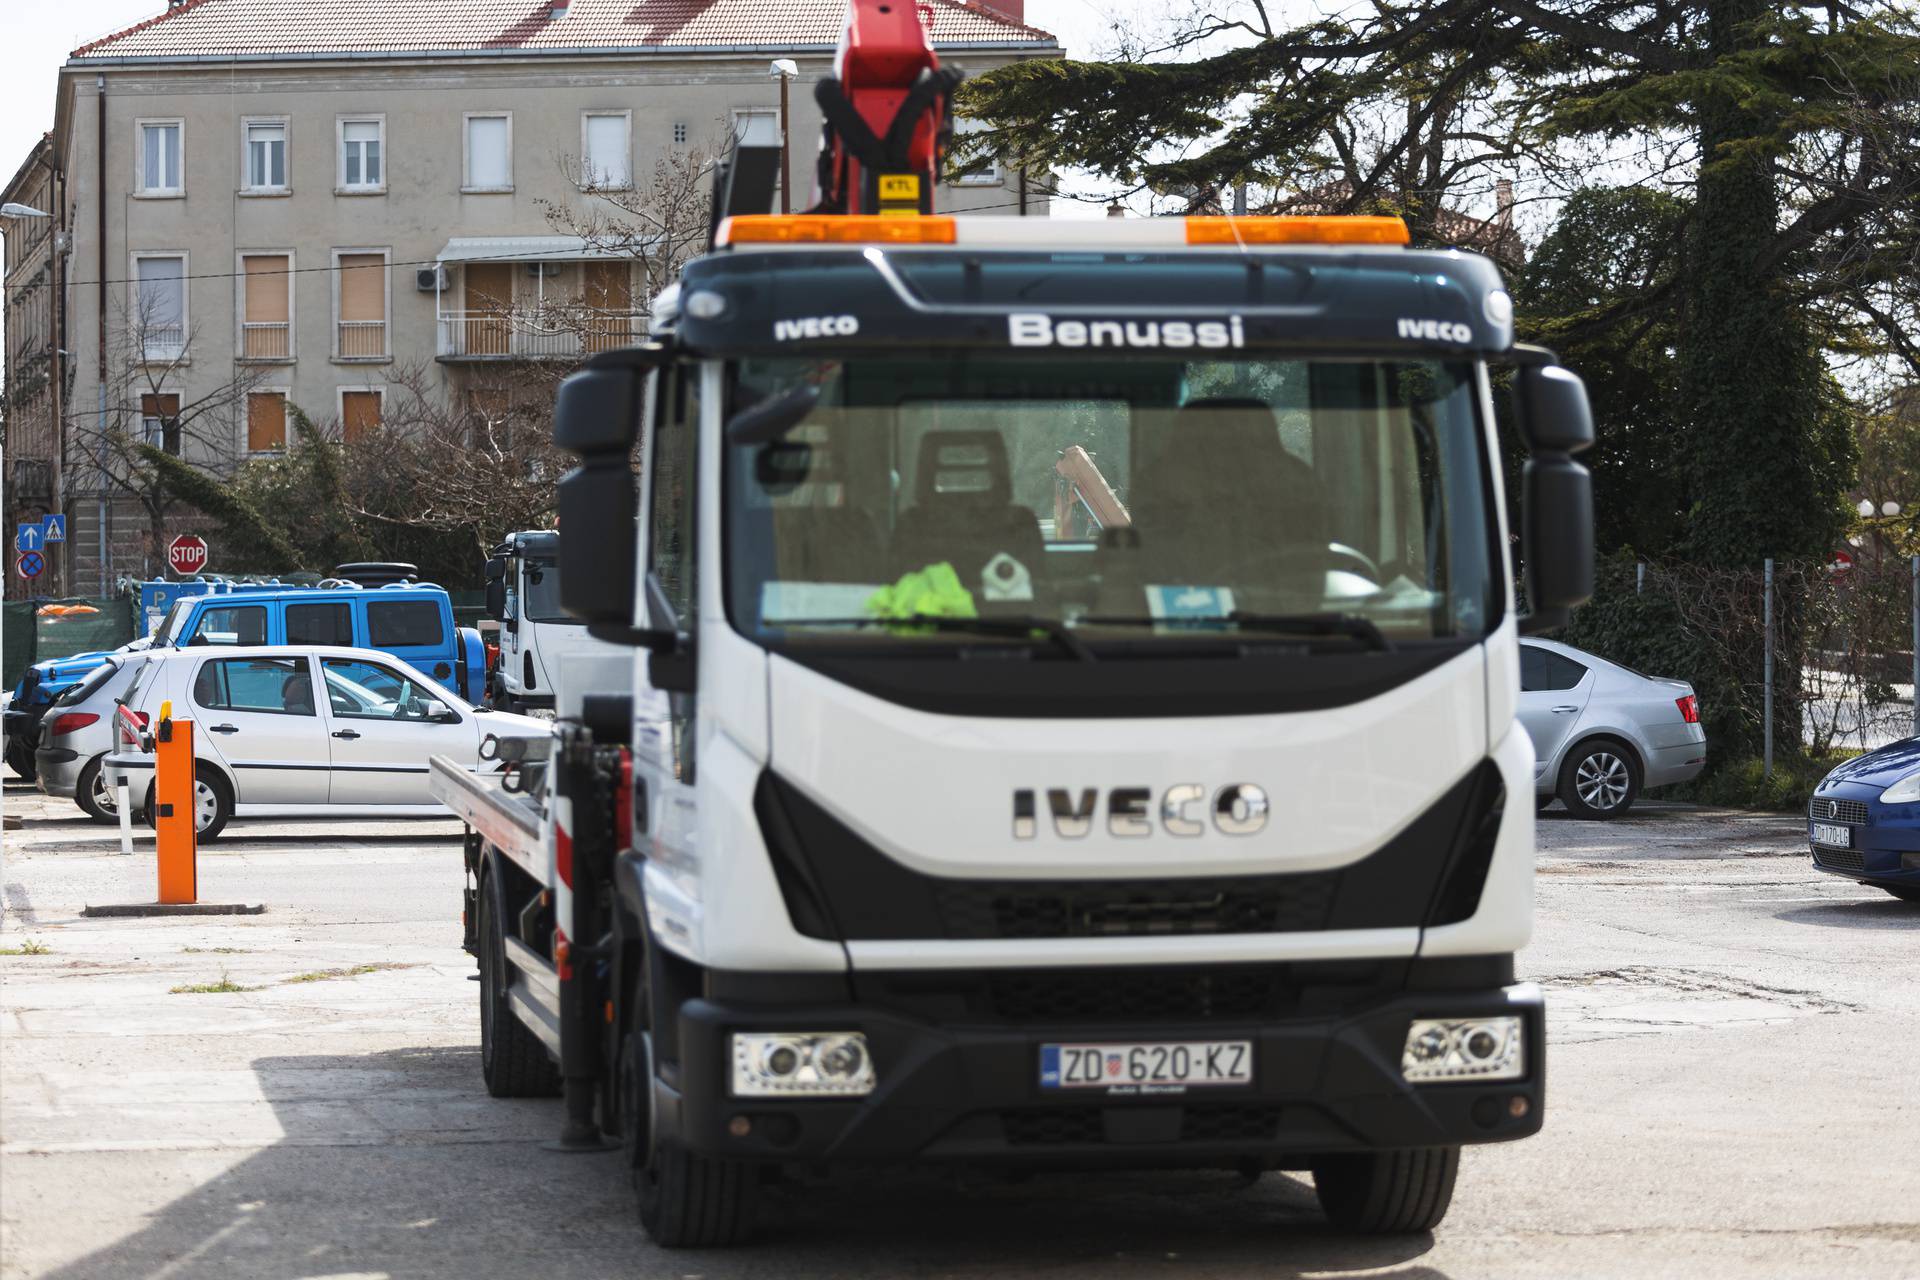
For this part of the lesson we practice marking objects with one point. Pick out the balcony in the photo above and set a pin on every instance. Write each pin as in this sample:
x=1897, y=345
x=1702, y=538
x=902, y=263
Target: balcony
x=162, y=343
x=363, y=339
x=518, y=335
x=266, y=340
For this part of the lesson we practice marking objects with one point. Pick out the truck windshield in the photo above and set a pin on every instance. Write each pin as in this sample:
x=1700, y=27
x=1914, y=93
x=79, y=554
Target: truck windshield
x=542, y=603
x=1336, y=501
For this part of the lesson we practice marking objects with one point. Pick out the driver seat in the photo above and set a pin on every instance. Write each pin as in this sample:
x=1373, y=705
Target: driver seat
x=964, y=512
x=1213, y=490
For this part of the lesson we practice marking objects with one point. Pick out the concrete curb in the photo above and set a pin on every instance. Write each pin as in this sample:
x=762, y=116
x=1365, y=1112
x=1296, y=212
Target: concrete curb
x=175, y=909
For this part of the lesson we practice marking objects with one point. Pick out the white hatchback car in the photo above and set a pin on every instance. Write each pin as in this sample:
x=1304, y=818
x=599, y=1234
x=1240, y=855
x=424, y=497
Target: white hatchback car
x=261, y=737
x=1603, y=732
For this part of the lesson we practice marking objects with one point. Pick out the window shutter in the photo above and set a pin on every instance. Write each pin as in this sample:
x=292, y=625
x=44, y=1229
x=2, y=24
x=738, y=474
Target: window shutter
x=267, y=290
x=363, y=286
x=266, y=421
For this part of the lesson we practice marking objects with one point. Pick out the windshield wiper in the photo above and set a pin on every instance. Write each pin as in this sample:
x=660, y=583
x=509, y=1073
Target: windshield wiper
x=1000, y=624
x=1307, y=624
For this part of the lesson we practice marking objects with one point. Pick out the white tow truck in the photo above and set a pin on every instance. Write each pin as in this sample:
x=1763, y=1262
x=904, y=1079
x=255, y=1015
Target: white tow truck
x=941, y=814
x=539, y=641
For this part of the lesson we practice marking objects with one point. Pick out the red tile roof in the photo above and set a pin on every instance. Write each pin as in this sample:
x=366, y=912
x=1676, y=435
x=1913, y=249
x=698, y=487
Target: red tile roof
x=306, y=28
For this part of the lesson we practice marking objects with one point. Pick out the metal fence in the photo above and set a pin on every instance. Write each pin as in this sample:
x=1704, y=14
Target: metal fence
x=1786, y=655
x=35, y=630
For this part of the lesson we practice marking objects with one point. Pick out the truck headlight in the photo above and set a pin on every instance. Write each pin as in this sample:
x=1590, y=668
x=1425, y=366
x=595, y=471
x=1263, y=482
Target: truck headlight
x=801, y=1063
x=1464, y=1049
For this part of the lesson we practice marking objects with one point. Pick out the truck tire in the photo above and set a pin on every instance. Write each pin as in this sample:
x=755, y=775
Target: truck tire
x=20, y=758
x=1387, y=1192
x=685, y=1201
x=512, y=1059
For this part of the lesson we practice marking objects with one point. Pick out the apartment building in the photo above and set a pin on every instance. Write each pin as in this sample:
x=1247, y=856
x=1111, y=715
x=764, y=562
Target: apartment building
x=32, y=407
x=314, y=202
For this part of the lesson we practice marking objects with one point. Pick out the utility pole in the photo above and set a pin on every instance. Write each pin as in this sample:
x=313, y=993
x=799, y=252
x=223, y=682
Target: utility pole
x=784, y=70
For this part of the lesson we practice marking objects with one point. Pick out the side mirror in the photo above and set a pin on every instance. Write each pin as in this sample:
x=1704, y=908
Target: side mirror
x=496, y=569
x=597, y=416
x=438, y=711
x=497, y=600
x=1556, y=422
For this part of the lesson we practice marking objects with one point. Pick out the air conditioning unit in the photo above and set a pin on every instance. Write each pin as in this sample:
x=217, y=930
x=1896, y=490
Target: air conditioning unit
x=430, y=279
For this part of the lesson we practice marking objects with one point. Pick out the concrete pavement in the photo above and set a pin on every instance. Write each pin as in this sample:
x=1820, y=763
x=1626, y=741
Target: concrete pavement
x=1731, y=1091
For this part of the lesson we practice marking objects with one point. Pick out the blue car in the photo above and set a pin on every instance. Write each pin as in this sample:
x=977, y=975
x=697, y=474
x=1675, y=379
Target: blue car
x=1864, y=820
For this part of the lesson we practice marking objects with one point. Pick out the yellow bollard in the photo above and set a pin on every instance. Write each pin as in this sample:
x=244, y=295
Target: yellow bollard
x=173, y=805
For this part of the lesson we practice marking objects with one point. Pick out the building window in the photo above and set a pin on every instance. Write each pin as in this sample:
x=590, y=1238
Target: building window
x=363, y=154
x=160, y=156
x=360, y=412
x=489, y=153
x=266, y=421
x=160, y=306
x=266, y=157
x=988, y=177
x=606, y=150
x=679, y=133
x=266, y=306
x=160, y=422
x=361, y=304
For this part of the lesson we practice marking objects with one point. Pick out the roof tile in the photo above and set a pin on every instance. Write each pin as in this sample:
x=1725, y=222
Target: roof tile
x=305, y=28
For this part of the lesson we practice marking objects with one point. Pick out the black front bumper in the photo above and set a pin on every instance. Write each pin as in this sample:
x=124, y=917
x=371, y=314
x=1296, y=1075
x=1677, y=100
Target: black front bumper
x=963, y=1088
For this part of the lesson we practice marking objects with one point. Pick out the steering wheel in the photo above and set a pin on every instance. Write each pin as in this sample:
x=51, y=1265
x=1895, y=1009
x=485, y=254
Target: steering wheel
x=1296, y=565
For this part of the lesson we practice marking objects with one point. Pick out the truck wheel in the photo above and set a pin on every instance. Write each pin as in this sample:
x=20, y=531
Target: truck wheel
x=1387, y=1192
x=20, y=758
x=91, y=792
x=685, y=1201
x=1600, y=779
x=512, y=1058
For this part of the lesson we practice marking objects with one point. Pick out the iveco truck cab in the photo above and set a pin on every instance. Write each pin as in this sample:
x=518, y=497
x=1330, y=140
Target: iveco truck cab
x=945, y=820
x=539, y=641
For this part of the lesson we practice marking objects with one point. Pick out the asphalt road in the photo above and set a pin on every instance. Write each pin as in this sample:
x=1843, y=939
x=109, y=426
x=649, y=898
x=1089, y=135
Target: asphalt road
x=1733, y=1091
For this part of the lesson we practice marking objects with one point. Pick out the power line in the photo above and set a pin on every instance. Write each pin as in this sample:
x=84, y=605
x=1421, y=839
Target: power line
x=411, y=262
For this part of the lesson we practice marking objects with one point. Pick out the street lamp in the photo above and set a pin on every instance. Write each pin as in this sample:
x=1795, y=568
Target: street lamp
x=784, y=70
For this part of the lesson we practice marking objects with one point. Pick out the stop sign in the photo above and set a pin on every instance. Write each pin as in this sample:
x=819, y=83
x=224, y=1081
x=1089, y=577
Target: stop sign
x=187, y=554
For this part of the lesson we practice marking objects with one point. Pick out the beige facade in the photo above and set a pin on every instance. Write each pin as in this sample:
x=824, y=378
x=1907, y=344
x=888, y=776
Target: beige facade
x=320, y=231
x=32, y=365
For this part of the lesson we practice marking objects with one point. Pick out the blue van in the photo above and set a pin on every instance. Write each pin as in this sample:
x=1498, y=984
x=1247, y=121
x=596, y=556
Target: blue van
x=44, y=681
x=411, y=621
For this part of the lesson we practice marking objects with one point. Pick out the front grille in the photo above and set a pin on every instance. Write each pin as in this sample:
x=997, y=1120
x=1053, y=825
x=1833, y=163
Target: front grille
x=1053, y=1126
x=1840, y=859
x=1853, y=812
x=1135, y=908
x=1219, y=1123
x=1040, y=996
x=1084, y=1126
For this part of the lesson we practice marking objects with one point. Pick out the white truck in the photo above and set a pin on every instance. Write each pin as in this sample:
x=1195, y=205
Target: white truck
x=943, y=815
x=539, y=641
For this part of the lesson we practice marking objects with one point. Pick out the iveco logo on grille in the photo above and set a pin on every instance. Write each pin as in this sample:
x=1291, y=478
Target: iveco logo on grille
x=1237, y=809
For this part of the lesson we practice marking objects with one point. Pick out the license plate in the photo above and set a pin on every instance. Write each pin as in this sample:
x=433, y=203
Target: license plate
x=1146, y=1068
x=1834, y=834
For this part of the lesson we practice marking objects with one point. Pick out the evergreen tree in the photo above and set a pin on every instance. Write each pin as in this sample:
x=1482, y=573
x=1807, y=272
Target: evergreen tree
x=1792, y=129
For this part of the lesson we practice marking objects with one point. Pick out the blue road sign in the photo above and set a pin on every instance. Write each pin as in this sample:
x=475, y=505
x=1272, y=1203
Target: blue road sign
x=54, y=529
x=29, y=537
x=32, y=564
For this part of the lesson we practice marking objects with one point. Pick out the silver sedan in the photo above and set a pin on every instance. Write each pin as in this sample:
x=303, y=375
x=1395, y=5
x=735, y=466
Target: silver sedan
x=1602, y=733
